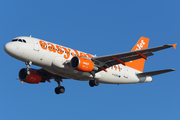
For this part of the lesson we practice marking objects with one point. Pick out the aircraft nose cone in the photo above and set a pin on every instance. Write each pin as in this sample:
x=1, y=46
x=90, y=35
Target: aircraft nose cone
x=7, y=48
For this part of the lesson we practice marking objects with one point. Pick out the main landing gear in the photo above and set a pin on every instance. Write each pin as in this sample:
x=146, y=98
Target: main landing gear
x=93, y=83
x=59, y=89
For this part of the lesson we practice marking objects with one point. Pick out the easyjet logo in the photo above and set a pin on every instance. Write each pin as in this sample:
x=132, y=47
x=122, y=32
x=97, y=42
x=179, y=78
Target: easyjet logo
x=140, y=45
x=85, y=63
x=62, y=50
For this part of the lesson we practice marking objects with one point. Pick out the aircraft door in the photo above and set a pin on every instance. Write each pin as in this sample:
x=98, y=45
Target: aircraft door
x=35, y=45
x=126, y=72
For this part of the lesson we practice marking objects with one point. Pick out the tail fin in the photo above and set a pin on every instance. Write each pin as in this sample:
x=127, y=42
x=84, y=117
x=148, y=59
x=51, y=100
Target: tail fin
x=139, y=63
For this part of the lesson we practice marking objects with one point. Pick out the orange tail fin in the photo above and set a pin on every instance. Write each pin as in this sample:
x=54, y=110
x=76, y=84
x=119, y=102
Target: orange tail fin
x=139, y=63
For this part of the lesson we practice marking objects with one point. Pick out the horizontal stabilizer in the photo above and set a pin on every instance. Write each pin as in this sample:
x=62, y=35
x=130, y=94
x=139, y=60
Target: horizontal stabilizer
x=155, y=72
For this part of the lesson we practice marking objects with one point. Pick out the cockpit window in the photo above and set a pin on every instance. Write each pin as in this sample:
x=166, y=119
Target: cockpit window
x=19, y=40
x=24, y=41
x=14, y=40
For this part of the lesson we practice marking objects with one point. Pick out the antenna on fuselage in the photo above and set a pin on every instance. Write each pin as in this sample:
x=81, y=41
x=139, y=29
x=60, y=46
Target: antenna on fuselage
x=30, y=35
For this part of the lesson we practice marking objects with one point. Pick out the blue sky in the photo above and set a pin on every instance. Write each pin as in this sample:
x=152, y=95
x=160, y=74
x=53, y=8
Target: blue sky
x=98, y=27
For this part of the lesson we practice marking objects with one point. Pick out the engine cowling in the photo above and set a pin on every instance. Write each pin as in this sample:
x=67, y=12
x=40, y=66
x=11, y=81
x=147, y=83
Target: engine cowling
x=82, y=64
x=34, y=77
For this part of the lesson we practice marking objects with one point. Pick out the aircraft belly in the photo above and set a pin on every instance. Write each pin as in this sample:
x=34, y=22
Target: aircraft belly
x=116, y=77
x=71, y=74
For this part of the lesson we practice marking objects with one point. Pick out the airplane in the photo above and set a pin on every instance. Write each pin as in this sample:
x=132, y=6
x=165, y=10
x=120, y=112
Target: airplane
x=58, y=62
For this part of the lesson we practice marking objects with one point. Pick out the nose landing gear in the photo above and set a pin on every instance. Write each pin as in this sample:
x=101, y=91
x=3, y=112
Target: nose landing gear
x=59, y=90
x=28, y=64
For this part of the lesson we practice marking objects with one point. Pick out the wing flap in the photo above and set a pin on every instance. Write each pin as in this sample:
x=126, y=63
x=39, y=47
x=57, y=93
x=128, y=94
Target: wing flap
x=126, y=59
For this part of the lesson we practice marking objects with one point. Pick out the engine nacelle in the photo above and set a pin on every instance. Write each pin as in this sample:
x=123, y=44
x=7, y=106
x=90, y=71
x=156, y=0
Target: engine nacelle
x=34, y=77
x=82, y=64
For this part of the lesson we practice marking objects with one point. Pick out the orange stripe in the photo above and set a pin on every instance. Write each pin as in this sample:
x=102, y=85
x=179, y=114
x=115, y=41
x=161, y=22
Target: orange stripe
x=115, y=67
x=119, y=68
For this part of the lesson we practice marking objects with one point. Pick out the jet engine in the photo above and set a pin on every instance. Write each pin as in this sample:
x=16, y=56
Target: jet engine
x=82, y=64
x=34, y=77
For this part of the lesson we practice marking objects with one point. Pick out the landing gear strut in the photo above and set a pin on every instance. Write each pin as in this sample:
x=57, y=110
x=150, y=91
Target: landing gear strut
x=59, y=89
x=28, y=64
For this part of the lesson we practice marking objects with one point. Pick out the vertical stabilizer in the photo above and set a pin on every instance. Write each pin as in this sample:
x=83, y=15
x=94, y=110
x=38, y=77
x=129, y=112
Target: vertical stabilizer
x=139, y=63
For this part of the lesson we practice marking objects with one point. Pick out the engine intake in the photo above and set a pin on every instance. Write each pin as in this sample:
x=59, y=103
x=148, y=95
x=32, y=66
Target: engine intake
x=82, y=64
x=34, y=77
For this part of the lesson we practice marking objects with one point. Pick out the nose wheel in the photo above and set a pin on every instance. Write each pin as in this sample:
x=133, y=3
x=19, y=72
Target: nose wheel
x=59, y=89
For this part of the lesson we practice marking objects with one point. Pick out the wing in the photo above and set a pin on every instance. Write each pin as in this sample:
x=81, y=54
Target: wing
x=110, y=60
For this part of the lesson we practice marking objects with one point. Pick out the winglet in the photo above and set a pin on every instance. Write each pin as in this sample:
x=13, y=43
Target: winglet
x=174, y=45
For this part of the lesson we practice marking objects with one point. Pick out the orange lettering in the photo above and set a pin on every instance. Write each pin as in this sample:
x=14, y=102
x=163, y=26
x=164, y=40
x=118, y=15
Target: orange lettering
x=72, y=54
x=89, y=55
x=67, y=51
x=77, y=54
x=43, y=45
x=51, y=47
x=59, y=49
x=82, y=54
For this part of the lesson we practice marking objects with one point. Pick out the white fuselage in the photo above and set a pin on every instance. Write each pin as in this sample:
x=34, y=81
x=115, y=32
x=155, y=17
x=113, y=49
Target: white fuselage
x=55, y=59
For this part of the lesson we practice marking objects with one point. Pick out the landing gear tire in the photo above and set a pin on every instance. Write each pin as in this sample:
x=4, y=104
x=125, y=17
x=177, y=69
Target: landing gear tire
x=96, y=82
x=93, y=83
x=59, y=90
